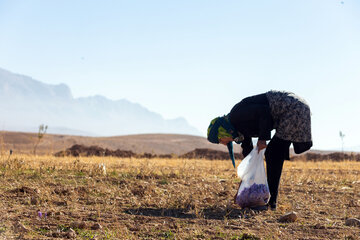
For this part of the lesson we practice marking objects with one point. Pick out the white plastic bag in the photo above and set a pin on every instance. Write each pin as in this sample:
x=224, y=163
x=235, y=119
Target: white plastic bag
x=253, y=190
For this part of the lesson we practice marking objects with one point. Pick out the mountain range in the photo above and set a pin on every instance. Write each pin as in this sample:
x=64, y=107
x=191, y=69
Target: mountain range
x=25, y=103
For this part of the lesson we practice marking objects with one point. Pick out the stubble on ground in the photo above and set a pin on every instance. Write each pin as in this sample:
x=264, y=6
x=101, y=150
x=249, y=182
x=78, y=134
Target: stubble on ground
x=43, y=197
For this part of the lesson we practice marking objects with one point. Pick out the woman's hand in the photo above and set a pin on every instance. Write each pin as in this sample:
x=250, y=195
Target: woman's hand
x=225, y=140
x=261, y=144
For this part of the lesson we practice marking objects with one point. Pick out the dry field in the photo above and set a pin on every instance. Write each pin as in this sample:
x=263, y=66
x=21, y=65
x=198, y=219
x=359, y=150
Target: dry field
x=168, y=199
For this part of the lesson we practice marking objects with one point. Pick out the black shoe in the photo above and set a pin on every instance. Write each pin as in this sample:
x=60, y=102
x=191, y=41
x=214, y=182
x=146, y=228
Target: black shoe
x=272, y=206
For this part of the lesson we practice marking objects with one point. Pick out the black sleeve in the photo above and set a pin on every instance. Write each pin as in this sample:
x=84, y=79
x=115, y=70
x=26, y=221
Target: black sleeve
x=265, y=123
x=254, y=112
x=247, y=146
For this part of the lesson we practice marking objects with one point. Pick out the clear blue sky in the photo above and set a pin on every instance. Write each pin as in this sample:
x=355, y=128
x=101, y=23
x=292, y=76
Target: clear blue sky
x=195, y=59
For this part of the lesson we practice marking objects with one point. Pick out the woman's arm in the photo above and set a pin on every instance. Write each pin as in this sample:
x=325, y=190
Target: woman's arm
x=247, y=146
x=248, y=117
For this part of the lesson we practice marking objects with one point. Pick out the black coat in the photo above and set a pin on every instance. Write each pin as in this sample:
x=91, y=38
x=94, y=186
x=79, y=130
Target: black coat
x=252, y=118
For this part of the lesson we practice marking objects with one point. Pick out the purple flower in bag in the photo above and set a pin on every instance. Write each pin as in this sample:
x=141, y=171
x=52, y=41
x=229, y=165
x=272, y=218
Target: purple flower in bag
x=252, y=171
x=255, y=195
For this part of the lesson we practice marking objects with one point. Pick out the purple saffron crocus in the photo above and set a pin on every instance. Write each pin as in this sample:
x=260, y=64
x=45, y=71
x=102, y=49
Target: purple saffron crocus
x=40, y=214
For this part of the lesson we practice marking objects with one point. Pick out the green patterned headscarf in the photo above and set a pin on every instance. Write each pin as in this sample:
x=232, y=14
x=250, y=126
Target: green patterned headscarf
x=221, y=131
x=221, y=127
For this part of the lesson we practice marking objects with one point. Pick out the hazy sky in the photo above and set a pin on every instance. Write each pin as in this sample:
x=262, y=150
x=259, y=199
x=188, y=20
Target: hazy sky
x=195, y=59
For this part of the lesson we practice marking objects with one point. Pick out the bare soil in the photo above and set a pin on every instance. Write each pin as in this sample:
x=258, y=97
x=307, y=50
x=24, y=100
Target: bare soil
x=198, y=153
x=168, y=199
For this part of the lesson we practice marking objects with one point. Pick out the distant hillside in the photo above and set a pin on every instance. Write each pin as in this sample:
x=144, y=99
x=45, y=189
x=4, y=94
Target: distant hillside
x=26, y=103
x=178, y=144
x=155, y=144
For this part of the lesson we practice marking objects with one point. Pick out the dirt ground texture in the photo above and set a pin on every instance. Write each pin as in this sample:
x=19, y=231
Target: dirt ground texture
x=46, y=197
x=198, y=153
